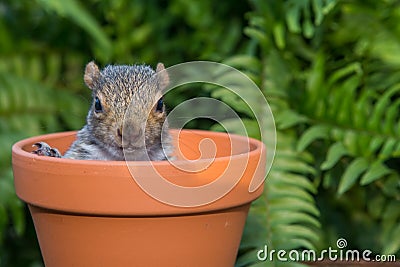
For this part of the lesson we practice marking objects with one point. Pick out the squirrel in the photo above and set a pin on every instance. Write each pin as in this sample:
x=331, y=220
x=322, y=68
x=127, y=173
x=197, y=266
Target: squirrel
x=127, y=114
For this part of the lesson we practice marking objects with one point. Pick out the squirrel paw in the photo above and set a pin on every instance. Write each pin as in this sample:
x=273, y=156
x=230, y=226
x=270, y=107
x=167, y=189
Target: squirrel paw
x=44, y=149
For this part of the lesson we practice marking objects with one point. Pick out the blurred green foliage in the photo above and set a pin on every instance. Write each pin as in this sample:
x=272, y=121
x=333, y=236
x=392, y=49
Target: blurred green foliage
x=330, y=70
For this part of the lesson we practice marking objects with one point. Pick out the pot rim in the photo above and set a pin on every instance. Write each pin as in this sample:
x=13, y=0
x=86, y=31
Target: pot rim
x=18, y=149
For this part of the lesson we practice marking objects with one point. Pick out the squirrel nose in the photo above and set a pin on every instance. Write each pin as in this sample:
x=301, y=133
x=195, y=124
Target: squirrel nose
x=129, y=135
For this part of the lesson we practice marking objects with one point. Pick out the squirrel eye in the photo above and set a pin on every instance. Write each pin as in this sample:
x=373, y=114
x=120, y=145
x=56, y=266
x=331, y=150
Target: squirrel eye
x=160, y=105
x=97, y=105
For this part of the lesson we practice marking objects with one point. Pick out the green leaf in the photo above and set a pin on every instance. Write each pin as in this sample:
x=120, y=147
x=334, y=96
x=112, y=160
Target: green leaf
x=299, y=231
x=318, y=10
x=248, y=258
x=394, y=243
x=278, y=190
x=295, y=180
x=233, y=100
x=392, y=211
x=289, y=118
x=391, y=117
x=293, y=19
x=352, y=173
x=376, y=143
x=376, y=206
x=381, y=107
x=391, y=185
x=350, y=141
x=362, y=108
x=347, y=99
x=376, y=171
x=293, y=204
x=236, y=126
x=351, y=68
x=315, y=82
x=279, y=217
x=293, y=165
x=335, y=153
x=312, y=134
x=248, y=62
x=279, y=35
x=256, y=34
x=77, y=13
x=388, y=148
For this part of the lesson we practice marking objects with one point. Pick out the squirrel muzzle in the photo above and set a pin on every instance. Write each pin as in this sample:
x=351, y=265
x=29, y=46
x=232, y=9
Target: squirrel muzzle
x=131, y=136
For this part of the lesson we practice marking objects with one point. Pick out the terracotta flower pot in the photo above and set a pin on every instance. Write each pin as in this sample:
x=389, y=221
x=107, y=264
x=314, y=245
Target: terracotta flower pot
x=94, y=213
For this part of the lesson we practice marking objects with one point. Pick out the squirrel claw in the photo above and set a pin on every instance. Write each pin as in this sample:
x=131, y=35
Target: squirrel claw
x=44, y=149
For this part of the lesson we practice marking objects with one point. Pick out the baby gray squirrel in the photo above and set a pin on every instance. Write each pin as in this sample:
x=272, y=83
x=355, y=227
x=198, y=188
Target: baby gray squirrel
x=127, y=114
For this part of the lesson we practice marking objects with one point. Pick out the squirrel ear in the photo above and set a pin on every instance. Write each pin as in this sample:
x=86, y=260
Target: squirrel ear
x=92, y=73
x=163, y=75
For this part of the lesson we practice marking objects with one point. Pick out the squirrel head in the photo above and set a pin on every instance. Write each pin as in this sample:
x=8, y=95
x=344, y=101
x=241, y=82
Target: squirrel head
x=127, y=111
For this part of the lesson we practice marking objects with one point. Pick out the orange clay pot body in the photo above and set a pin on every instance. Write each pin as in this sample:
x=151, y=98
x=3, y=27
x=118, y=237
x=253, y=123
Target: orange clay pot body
x=93, y=213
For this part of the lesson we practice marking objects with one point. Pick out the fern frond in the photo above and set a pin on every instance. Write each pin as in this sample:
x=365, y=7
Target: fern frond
x=299, y=15
x=284, y=218
x=358, y=127
x=28, y=108
x=366, y=136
